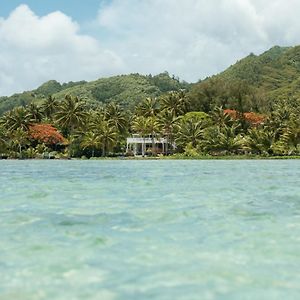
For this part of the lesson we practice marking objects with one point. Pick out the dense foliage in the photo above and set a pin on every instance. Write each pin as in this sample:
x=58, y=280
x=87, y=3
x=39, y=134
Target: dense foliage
x=69, y=128
x=254, y=83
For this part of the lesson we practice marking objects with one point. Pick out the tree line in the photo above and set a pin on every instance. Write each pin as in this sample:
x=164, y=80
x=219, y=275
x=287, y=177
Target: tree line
x=199, y=123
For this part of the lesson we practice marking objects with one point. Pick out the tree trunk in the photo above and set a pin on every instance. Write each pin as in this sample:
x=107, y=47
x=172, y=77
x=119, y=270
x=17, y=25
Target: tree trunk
x=153, y=145
x=143, y=147
x=171, y=143
x=167, y=145
x=20, y=150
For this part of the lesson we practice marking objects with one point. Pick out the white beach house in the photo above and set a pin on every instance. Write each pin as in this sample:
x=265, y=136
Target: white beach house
x=138, y=145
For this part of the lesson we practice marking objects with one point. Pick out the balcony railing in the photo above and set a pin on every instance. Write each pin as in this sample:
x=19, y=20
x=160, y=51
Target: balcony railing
x=147, y=140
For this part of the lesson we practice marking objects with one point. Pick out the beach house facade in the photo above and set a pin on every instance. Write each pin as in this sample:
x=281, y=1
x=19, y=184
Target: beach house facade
x=138, y=145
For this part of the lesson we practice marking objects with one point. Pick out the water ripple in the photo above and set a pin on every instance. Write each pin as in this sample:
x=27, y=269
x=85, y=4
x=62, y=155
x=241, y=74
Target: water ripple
x=149, y=230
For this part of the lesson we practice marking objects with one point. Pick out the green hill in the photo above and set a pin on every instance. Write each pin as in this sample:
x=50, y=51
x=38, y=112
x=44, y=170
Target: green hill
x=257, y=80
x=127, y=90
x=276, y=72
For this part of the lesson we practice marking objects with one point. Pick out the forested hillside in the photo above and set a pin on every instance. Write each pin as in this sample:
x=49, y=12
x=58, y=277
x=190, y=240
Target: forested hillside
x=254, y=83
x=276, y=71
x=126, y=90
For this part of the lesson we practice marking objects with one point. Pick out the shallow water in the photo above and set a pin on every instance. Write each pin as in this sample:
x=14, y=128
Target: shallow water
x=139, y=230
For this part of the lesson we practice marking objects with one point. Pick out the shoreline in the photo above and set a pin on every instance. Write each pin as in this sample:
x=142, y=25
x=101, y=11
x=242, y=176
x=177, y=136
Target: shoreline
x=174, y=157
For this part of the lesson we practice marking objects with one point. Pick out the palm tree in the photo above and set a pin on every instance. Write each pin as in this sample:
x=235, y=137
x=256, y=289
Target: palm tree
x=175, y=102
x=259, y=140
x=19, y=138
x=210, y=140
x=291, y=135
x=34, y=113
x=146, y=126
x=189, y=132
x=139, y=125
x=94, y=120
x=49, y=107
x=229, y=140
x=16, y=118
x=167, y=122
x=3, y=138
x=72, y=143
x=184, y=100
x=107, y=136
x=220, y=118
x=153, y=129
x=148, y=107
x=116, y=117
x=91, y=140
x=283, y=112
x=222, y=138
x=71, y=114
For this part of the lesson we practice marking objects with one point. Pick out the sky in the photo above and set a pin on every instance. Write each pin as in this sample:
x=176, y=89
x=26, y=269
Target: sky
x=70, y=40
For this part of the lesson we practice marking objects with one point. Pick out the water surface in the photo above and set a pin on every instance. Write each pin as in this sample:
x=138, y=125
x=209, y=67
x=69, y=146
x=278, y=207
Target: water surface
x=164, y=230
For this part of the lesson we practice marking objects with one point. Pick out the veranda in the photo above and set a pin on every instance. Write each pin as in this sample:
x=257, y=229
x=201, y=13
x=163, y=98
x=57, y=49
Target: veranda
x=138, y=145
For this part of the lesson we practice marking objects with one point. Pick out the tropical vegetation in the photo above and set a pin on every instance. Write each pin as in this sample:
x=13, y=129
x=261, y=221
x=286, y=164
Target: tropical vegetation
x=252, y=108
x=72, y=129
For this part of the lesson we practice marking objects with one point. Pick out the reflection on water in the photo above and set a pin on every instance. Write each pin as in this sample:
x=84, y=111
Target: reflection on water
x=149, y=230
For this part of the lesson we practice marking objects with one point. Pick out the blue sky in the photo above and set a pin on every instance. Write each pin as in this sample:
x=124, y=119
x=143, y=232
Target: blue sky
x=74, y=40
x=81, y=10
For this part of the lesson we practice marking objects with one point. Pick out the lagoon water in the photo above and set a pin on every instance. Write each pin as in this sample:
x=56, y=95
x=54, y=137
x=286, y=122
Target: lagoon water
x=139, y=230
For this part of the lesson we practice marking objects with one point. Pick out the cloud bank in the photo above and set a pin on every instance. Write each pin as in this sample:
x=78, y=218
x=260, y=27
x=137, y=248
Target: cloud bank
x=197, y=38
x=35, y=49
x=192, y=39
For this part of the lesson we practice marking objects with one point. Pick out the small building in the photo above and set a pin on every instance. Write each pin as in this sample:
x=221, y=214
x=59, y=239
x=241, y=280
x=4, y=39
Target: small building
x=138, y=145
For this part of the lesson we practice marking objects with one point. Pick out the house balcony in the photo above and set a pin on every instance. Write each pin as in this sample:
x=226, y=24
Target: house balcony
x=146, y=140
x=138, y=145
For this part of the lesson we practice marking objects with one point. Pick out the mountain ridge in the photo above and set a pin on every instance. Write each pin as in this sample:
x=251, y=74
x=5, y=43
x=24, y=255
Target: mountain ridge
x=126, y=90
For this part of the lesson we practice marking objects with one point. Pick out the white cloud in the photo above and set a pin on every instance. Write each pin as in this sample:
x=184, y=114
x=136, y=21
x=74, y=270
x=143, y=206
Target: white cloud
x=35, y=49
x=196, y=38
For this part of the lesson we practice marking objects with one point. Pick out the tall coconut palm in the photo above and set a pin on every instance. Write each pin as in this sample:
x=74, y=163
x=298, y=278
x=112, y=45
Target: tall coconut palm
x=175, y=102
x=184, y=100
x=91, y=140
x=167, y=122
x=94, y=120
x=140, y=125
x=116, y=117
x=149, y=107
x=146, y=126
x=153, y=130
x=107, y=136
x=71, y=114
x=34, y=113
x=49, y=107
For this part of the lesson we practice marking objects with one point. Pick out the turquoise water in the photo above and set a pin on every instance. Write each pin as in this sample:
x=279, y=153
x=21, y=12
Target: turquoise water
x=142, y=230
